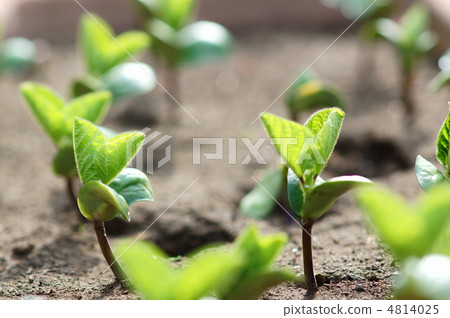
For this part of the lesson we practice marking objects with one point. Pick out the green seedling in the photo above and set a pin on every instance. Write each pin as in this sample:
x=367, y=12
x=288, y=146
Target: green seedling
x=413, y=39
x=428, y=175
x=306, y=94
x=409, y=230
x=243, y=271
x=154, y=278
x=443, y=78
x=108, y=187
x=306, y=150
x=414, y=234
x=309, y=92
x=55, y=117
x=17, y=55
x=178, y=42
x=363, y=10
x=105, y=56
x=256, y=273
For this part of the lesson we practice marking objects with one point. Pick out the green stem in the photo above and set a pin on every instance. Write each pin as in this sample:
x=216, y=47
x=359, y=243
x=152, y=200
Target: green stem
x=308, y=269
x=119, y=273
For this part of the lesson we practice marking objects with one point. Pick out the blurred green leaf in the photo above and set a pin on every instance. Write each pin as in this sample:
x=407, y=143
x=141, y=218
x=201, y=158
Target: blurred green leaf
x=442, y=144
x=64, y=162
x=175, y=13
x=407, y=230
x=128, y=80
x=428, y=175
x=17, y=55
x=425, y=279
x=257, y=203
x=102, y=50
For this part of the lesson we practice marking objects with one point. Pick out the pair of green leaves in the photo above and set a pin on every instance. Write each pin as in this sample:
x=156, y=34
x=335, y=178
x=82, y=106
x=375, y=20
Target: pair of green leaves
x=178, y=42
x=108, y=188
x=443, y=78
x=411, y=35
x=17, y=55
x=409, y=230
x=244, y=272
x=105, y=55
x=309, y=92
x=306, y=150
x=56, y=117
x=427, y=174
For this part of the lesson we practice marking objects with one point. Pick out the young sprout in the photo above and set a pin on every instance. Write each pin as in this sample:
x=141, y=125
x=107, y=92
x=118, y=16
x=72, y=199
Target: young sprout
x=177, y=41
x=310, y=93
x=427, y=174
x=105, y=56
x=443, y=78
x=256, y=272
x=56, y=117
x=108, y=187
x=412, y=232
x=363, y=10
x=17, y=55
x=306, y=150
x=413, y=40
x=243, y=272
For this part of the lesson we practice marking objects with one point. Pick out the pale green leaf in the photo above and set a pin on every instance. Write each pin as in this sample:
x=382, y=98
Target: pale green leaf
x=97, y=201
x=428, y=175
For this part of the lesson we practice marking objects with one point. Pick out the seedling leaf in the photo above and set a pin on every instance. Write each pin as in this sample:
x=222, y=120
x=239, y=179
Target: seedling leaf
x=428, y=175
x=443, y=143
x=257, y=203
x=322, y=197
x=100, y=158
x=133, y=185
x=97, y=201
x=295, y=193
x=408, y=231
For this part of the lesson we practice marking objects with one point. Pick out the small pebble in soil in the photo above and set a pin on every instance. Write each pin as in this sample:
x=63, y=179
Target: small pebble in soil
x=359, y=289
x=22, y=249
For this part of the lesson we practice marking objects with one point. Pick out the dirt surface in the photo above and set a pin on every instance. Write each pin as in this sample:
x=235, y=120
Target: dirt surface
x=44, y=253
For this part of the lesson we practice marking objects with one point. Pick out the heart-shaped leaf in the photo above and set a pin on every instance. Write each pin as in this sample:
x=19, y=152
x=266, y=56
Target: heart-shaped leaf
x=97, y=201
x=321, y=198
x=128, y=80
x=101, y=50
x=442, y=143
x=258, y=203
x=204, y=41
x=306, y=149
x=55, y=117
x=133, y=185
x=428, y=175
x=407, y=230
x=99, y=158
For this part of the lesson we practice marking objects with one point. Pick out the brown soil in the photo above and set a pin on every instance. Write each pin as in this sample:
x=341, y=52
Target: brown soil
x=43, y=253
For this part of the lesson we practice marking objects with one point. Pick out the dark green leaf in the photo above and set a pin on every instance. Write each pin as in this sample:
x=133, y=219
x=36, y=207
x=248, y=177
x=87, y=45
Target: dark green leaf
x=428, y=175
x=64, y=162
x=97, y=201
x=295, y=193
x=258, y=203
x=133, y=185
